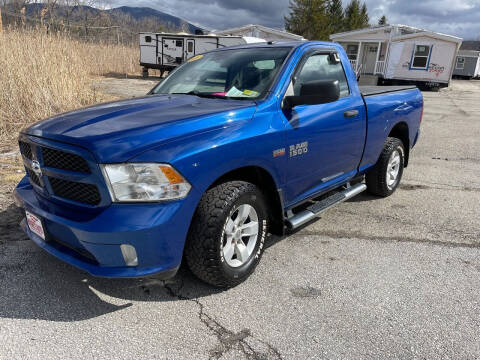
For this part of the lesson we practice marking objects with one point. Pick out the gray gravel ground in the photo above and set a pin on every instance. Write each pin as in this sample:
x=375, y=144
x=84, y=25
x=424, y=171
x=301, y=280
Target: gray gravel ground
x=125, y=88
x=373, y=278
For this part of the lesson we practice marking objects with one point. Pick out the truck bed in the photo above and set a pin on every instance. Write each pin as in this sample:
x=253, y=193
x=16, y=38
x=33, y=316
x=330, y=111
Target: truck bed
x=370, y=90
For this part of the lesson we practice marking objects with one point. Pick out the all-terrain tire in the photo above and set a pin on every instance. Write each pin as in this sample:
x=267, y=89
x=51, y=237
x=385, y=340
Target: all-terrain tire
x=376, y=178
x=204, y=247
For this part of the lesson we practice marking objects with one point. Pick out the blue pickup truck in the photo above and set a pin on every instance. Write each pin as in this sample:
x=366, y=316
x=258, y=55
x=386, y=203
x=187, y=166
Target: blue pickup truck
x=232, y=146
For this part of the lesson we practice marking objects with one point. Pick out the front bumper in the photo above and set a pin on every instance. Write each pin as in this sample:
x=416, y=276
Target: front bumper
x=157, y=231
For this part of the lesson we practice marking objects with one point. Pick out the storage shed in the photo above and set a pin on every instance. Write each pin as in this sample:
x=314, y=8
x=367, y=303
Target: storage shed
x=400, y=54
x=467, y=65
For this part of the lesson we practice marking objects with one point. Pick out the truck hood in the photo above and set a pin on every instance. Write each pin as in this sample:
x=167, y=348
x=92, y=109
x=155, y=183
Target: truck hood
x=117, y=131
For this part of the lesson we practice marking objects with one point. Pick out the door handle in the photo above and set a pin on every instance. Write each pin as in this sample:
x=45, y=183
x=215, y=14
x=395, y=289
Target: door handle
x=350, y=113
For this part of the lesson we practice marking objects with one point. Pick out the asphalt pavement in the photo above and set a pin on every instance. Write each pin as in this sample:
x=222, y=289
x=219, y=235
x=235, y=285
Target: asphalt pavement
x=372, y=278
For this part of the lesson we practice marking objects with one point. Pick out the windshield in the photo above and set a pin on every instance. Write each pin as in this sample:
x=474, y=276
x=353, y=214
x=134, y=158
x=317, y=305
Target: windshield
x=236, y=73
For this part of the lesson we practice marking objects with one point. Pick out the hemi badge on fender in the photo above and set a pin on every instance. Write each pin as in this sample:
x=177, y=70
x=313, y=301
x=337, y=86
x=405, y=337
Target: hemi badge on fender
x=279, y=152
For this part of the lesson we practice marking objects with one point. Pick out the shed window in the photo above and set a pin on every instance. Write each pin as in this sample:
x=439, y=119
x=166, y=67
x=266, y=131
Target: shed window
x=460, y=63
x=421, y=55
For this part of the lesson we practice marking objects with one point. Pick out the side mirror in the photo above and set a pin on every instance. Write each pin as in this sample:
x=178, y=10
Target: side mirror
x=315, y=93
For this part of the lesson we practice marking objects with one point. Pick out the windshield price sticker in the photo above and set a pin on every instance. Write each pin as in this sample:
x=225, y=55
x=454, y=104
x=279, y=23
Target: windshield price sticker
x=195, y=58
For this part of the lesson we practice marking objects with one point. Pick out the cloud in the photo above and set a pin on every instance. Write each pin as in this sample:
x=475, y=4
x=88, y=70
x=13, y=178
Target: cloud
x=220, y=14
x=459, y=17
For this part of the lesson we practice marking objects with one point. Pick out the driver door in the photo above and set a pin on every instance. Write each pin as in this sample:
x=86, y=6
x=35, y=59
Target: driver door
x=324, y=142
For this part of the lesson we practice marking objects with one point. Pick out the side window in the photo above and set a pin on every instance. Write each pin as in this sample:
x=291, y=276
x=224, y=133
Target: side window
x=421, y=55
x=460, y=63
x=320, y=67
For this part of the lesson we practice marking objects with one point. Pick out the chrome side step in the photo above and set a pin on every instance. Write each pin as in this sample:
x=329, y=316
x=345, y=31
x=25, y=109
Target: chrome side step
x=319, y=207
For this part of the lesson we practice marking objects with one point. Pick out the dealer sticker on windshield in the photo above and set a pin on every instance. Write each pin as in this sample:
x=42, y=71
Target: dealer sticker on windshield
x=250, y=93
x=35, y=225
x=195, y=58
x=234, y=92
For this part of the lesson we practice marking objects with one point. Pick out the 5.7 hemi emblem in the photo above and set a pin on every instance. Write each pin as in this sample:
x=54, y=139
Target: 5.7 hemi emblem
x=299, y=149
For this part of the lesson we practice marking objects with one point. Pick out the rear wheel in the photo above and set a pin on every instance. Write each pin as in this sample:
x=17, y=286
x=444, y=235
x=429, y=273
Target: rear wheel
x=385, y=177
x=227, y=235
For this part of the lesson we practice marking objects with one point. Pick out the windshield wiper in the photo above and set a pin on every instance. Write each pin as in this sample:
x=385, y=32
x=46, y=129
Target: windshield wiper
x=202, y=95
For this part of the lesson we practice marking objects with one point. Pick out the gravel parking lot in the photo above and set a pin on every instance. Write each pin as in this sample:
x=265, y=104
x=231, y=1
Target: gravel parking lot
x=372, y=278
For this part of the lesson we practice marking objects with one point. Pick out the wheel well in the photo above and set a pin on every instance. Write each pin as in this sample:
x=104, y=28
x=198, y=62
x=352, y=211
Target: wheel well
x=400, y=131
x=264, y=181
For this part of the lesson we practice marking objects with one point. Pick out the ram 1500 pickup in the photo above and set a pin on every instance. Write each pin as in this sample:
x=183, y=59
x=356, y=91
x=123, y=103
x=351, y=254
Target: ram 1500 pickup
x=235, y=144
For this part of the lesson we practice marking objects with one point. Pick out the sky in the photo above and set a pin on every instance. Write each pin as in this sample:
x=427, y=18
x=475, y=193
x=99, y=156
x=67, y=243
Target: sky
x=454, y=17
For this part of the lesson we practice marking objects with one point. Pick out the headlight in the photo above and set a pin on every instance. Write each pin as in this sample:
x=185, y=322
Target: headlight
x=144, y=182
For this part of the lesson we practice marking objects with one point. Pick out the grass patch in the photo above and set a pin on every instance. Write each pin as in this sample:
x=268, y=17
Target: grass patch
x=42, y=75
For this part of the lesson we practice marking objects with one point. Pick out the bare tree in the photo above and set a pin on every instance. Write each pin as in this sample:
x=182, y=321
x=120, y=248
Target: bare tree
x=16, y=5
x=87, y=14
x=49, y=12
x=68, y=7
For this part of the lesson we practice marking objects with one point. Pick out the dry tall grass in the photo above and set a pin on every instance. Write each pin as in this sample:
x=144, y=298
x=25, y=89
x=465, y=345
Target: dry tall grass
x=41, y=75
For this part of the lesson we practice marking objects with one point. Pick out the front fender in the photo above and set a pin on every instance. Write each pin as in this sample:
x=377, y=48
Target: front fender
x=203, y=158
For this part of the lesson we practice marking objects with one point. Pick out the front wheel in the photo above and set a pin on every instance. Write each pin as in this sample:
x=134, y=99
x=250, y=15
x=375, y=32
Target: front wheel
x=385, y=176
x=227, y=235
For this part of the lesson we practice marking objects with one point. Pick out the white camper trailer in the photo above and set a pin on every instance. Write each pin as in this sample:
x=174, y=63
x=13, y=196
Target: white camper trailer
x=400, y=54
x=165, y=51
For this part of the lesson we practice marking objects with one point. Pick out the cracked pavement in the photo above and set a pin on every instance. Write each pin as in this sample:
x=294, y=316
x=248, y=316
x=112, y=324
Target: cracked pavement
x=372, y=278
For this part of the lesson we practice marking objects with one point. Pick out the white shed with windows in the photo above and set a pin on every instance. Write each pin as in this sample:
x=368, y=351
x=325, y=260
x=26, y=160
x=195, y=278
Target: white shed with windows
x=401, y=54
x=467, y=65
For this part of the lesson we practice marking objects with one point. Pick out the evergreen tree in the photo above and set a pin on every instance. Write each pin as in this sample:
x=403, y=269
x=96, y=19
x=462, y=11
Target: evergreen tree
x=382, y=20
x=335, y=16
x=356, y=15
x=364, y=16
x=308, y=18
x=318, y=19
x=352, y=15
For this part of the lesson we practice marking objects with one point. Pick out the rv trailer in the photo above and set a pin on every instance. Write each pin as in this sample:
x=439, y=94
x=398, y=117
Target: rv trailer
x=165, y=51
x=400, y=54
x=467, y=65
